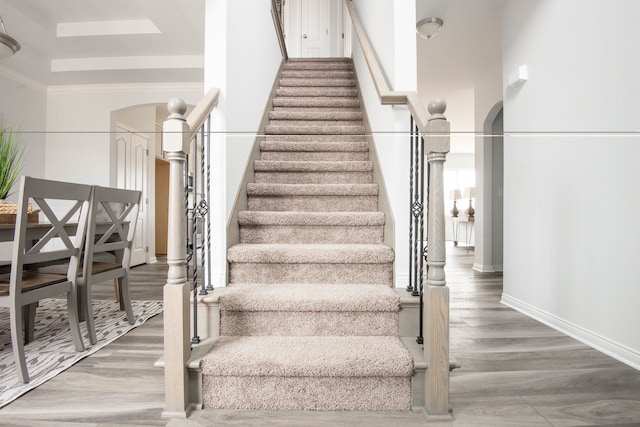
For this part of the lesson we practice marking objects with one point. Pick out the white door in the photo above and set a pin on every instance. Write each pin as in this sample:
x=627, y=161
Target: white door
x=133, y=160
x=314, y=21
x=308, y=28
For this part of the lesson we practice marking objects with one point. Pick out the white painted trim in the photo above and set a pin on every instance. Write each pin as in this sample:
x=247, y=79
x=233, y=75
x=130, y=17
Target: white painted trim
x=402, y=280
x=483, y=268
x=125, y=87
x=616, y=350
x=487, y=268
x=127, y=63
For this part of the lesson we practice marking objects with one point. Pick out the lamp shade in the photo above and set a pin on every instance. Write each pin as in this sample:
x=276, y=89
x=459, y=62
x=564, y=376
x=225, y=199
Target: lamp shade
x=469, y=192
x=455, y=194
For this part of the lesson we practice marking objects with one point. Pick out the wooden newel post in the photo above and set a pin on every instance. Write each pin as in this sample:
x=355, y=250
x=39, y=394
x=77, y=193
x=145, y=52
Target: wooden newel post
x=176, y=292
x=436, y=293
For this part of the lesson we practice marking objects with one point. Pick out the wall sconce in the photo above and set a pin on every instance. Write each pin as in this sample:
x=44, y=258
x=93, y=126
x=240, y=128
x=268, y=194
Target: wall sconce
x=8, y=45
x=455, y=195
x=469, y=193
x=428, y=27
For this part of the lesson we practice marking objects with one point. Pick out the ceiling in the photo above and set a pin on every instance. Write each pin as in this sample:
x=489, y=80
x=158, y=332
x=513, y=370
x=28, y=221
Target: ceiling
x=105, y=41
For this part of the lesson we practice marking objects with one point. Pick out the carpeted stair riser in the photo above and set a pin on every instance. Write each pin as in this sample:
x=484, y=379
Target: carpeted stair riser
x=322, y=74
x=317, y=82
x=296, y=172
x=315, y=114
x=310, y=318
x=381, y=274
x=307, y=393
x=337, y=323
x=332, y=92
x=310, y=373
x=318, y=203
x=305, y=227
x=315, y=102
x=309, y=310
x=314, y=151
x=312, y=197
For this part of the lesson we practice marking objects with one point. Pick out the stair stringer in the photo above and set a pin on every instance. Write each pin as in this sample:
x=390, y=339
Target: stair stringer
x=241, y=200
x=384, y=205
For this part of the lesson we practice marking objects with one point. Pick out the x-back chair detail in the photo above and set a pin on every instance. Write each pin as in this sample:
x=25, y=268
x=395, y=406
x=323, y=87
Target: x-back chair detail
x=64, y=209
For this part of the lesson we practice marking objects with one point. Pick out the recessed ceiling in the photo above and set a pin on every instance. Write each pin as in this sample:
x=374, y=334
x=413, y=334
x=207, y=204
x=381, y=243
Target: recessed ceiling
x=97, y=41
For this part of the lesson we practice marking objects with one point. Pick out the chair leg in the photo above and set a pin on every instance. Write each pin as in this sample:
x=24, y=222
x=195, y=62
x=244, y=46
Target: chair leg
x=17, y=343
x=74, y=323
x=29, y=318
x=125, y=298
x=116, y=289
x=87, y=302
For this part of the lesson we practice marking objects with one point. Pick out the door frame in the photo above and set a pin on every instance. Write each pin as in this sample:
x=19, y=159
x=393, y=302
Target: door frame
x=147, y=197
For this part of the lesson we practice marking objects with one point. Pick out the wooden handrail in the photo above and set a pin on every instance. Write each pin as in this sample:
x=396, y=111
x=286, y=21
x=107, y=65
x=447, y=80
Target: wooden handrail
x=201, y=112
x=385, y=94
x=278, y=26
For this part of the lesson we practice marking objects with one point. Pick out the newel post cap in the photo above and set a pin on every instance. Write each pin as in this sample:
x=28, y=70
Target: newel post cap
x=436, y=108
x=175, y=128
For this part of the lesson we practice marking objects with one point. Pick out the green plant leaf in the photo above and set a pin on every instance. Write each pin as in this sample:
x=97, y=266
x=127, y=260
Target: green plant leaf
x=11, y=159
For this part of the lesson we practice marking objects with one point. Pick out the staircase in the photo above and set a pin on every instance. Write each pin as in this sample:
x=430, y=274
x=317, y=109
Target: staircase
x=310, y=318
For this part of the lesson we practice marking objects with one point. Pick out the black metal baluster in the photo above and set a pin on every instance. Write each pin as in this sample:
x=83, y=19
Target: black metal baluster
x=416, y=209
x=410, y=286
x=194, y=249
x=209, y=267
x=422, y=242
x=203, y=208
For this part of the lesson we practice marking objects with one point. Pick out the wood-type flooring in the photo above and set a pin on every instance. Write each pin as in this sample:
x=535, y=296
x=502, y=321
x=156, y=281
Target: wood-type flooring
x=515, y=372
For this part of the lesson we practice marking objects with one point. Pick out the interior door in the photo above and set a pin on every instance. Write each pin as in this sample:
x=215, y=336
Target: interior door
x=314, y=24
x=133, y=157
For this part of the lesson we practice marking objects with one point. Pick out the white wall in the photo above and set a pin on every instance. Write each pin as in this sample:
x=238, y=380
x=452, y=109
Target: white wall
x=79, y=125
x=391, y=29
x=570, y=256
x=242, y=57
x=23, y=105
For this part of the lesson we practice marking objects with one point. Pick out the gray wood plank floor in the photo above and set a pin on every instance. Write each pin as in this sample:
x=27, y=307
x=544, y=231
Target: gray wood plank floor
x=515, y=372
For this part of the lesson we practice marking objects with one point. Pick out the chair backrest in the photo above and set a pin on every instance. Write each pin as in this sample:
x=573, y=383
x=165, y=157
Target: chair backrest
x=59, y=236
x=114, y=211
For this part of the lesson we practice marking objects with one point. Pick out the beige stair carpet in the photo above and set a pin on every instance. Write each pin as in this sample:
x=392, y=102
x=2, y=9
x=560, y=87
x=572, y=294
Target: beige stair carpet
x=310, y=320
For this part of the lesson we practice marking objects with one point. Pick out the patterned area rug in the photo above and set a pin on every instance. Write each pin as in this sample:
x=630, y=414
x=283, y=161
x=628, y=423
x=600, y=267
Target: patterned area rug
x=52, y=350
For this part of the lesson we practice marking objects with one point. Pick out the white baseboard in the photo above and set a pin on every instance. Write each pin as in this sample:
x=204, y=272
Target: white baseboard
x=611, y=348
x=487, y=268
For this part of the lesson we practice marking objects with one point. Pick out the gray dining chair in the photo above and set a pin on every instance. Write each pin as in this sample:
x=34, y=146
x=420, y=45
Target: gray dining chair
x=64, y=212
x=107, y=254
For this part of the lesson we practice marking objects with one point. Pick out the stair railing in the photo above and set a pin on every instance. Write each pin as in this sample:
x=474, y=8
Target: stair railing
x=277, y=14
x=433, y=128
x=181, y=137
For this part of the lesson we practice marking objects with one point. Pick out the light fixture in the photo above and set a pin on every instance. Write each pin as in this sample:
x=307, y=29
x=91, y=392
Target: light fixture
x=8, y=45
x=455, y=195
x=469, y=193
x=428, y=27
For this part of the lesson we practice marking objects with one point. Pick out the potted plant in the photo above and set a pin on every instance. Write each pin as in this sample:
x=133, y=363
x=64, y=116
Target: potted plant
x=11, y=164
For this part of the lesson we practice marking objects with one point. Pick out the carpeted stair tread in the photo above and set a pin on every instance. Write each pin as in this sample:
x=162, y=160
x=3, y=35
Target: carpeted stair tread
x=317, y=82
x=302, y=166
x=264, y=218
x=316, y=102
x=295, y=253
x=266, y=189
x=299, y=115
x=334, y=126
x=309, y=297
x=344, y=92
x=308, y=356
x=324, y=74
x=310, y=146
x=315, y=130
x=309, y=65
